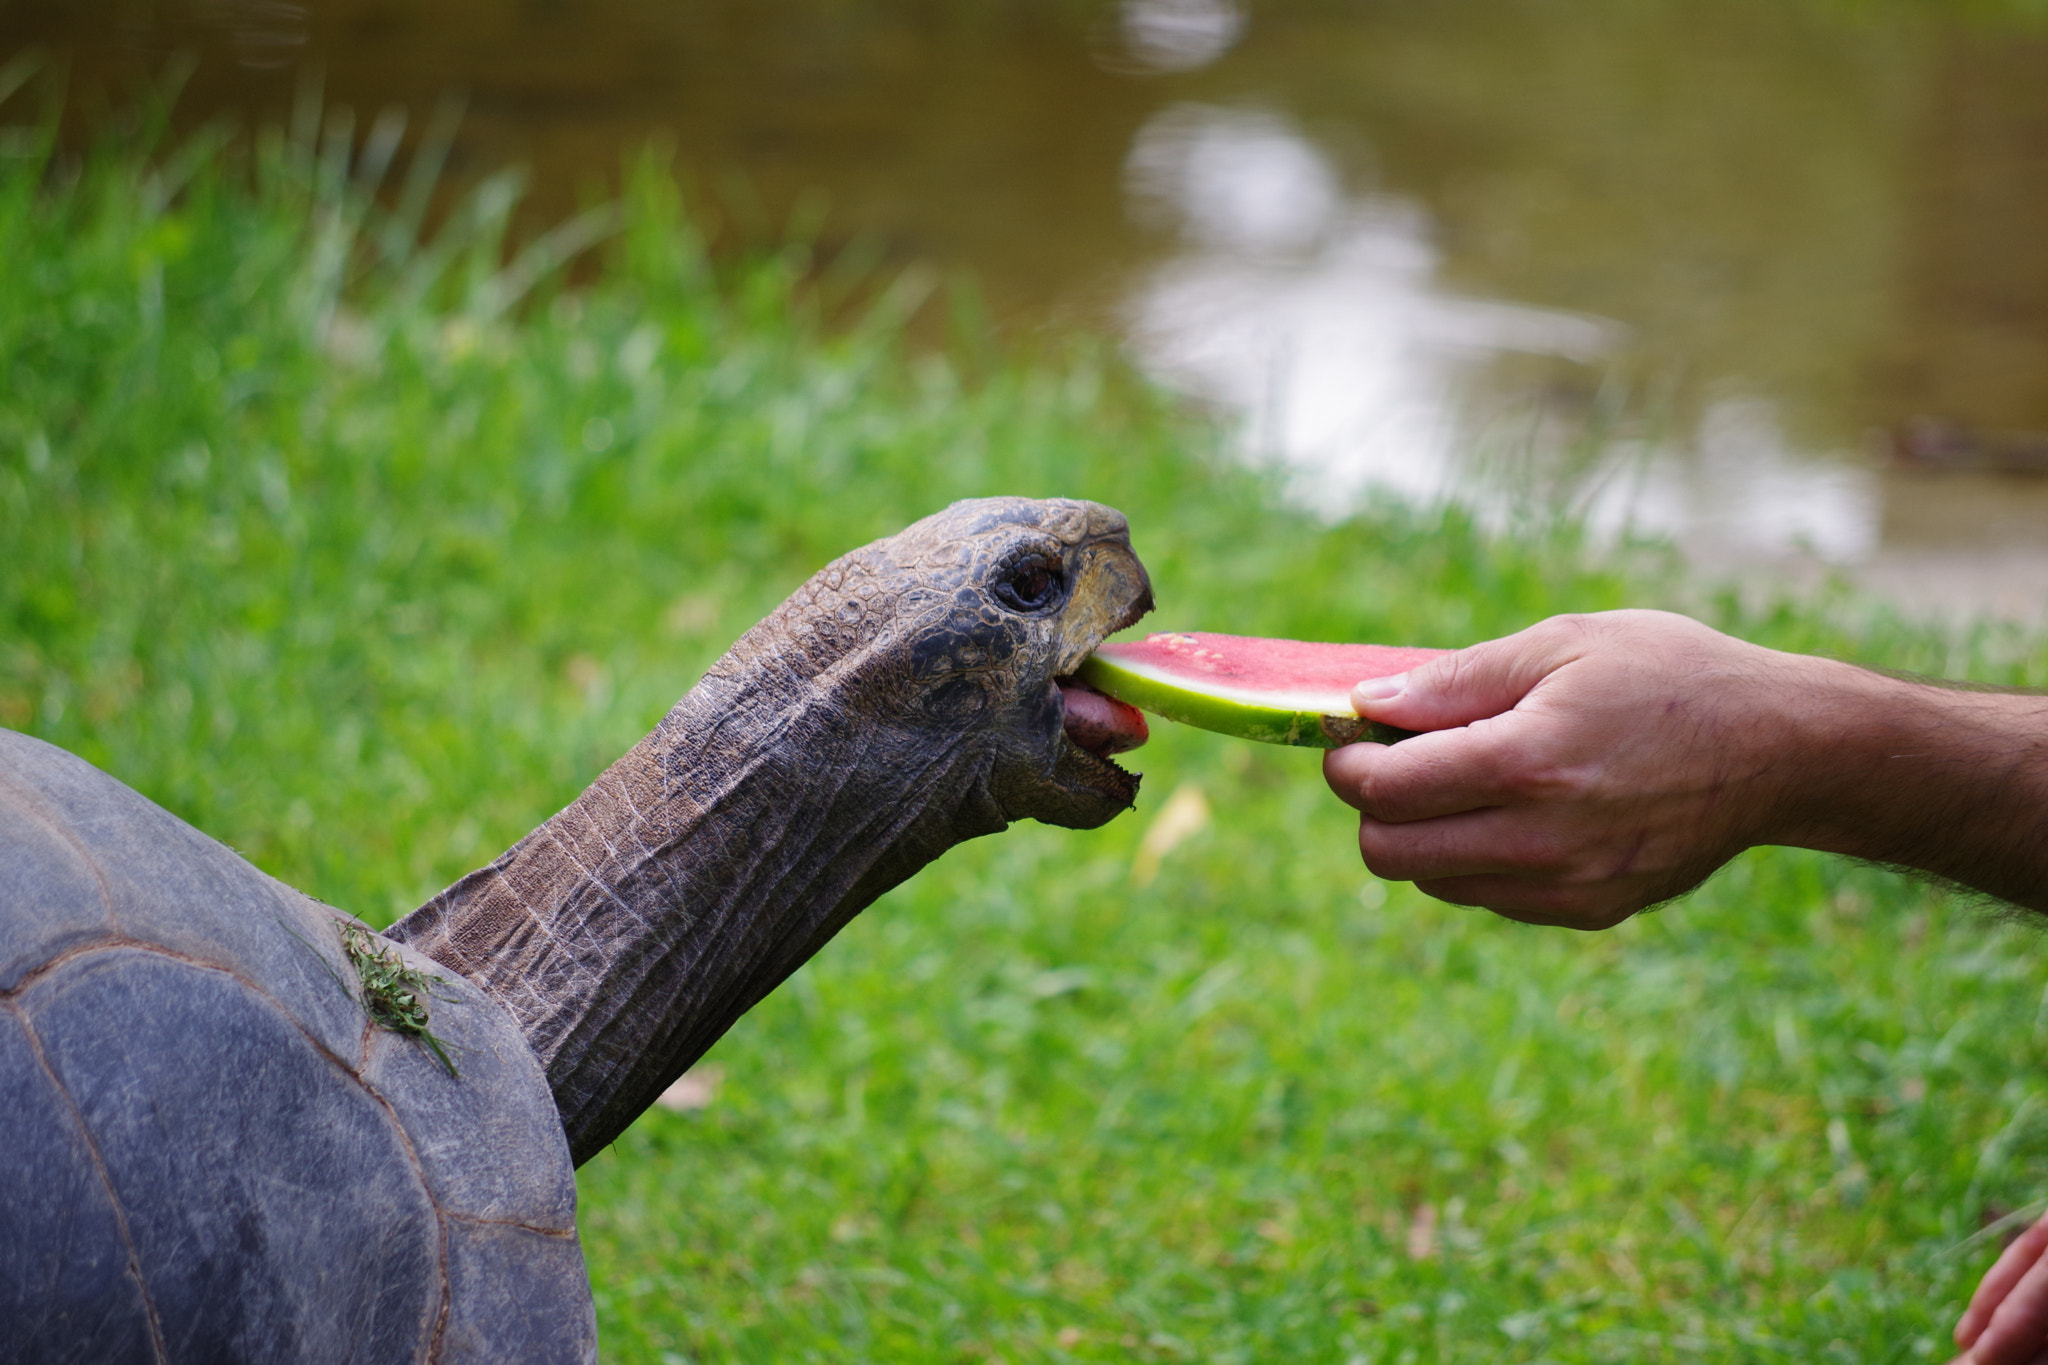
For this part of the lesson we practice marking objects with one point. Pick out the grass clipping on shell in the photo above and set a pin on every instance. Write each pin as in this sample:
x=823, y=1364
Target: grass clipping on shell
x=395, y=995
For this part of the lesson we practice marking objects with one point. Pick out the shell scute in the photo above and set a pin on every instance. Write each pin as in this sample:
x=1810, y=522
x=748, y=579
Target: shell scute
x=270, y=1201
x=167, y=884
x=60, y=900
x=489, y=1141
x=65, y=1289
x=516, y=1294
x=201, y=1035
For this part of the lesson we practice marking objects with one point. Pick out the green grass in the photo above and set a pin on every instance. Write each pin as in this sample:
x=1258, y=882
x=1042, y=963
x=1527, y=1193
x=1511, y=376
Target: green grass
x=314, y=532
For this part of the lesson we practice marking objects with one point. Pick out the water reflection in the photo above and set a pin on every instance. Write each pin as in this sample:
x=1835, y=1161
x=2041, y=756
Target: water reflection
x=1738, y=488
x=1179, y=35
x=1314, y=315
x=1693, y=266
x=1318, y=318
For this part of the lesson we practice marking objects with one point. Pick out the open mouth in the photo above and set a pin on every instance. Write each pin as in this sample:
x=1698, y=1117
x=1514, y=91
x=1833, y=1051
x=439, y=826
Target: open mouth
x=1098, y=724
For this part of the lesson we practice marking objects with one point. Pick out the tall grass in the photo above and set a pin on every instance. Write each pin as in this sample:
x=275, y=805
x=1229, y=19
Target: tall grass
x=363, y=549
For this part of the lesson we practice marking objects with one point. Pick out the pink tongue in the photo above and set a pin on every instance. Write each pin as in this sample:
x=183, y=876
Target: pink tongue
x=1101, y=725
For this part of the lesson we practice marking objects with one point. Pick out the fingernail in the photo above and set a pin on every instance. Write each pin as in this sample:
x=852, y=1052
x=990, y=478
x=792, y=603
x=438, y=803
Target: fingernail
x=1380, y=689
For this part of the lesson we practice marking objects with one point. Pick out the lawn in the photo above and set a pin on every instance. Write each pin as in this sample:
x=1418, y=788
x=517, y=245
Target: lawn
x=363, y=550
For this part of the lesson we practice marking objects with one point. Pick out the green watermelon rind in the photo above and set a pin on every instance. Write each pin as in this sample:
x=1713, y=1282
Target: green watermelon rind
x=1226, y=716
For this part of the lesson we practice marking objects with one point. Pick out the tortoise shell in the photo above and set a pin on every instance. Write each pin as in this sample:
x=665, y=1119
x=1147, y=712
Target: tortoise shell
x=208, y=1151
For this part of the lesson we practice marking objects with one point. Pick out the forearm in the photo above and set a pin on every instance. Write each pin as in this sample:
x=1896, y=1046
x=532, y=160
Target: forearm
x=1590, y=766
x=1943, y=780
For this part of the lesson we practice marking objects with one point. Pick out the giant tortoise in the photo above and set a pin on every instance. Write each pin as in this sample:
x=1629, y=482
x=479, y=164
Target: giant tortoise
x=235, y=1126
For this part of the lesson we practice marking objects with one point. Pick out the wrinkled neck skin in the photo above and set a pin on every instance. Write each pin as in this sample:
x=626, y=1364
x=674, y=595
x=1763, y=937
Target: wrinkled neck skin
x=631, y=930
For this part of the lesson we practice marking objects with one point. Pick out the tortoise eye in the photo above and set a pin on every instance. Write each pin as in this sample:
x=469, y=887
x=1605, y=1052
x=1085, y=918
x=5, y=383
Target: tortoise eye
x=1032, y=584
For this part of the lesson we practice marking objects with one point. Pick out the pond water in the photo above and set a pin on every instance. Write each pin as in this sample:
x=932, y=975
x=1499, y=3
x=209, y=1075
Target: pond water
x=1768, y=276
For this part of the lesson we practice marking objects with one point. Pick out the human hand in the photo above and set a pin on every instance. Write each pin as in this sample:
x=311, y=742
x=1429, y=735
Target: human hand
x=2007, y=1320
x=1591, y=766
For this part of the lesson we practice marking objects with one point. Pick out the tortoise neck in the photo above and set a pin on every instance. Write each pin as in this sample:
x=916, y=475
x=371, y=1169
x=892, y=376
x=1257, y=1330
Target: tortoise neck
x=632, y=929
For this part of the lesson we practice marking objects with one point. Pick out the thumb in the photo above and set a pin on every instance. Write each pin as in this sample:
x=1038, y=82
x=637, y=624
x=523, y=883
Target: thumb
x=1468, y=684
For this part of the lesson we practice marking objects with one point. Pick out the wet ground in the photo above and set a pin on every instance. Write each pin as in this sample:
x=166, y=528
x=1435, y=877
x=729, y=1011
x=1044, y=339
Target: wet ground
x=1765, y=275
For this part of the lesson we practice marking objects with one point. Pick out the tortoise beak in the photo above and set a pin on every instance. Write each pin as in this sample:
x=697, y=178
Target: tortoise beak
x=1111, y=590
x=1039, y=772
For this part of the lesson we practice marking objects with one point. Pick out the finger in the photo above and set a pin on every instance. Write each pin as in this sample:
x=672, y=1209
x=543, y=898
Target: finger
x=1448, y=846
x=2019, y=1326
x=1494, y=762
x=2011, y=1266
x=1481, y=843
x=1543, y=901
x=1473, y=683
x=1348, y=769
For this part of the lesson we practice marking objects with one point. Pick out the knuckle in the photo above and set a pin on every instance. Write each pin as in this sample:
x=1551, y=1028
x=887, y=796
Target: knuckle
x=1384, y=858
x=1573, y=628
x=1452, y=674
x=1533, y=780
x=1383, y=796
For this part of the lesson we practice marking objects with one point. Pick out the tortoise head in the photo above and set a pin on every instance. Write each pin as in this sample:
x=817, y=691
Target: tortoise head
x=956, y=636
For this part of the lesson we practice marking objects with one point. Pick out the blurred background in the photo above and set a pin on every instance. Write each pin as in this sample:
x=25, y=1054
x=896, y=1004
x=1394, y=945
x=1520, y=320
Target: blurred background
x=358, y=506
x=1768, y=277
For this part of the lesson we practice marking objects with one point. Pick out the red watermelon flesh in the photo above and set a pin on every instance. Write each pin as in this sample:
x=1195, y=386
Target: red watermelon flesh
x=1290, y=675
x=1280, y=691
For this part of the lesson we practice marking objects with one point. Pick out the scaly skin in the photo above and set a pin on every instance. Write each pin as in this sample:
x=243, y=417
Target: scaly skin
x=899, y=703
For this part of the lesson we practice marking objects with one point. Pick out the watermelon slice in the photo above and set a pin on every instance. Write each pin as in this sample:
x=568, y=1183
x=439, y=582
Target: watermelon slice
x=1278, y=691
